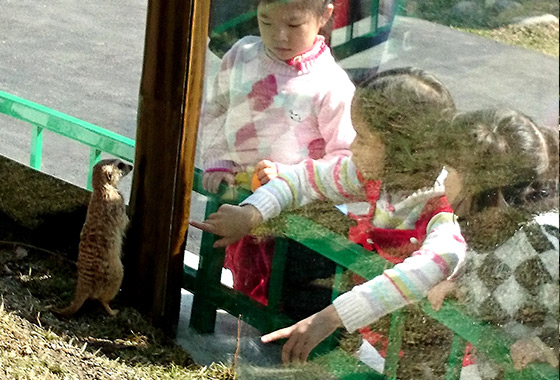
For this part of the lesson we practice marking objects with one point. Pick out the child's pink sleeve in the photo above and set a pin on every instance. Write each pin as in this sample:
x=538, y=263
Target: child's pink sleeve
x=212, y=138
x=335, y=123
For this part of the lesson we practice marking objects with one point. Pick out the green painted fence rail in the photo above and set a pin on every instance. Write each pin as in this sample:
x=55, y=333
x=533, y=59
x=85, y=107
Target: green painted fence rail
x=210, y=294
x=40, y=117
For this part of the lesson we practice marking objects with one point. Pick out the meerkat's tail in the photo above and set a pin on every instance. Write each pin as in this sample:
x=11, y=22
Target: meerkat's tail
x=71, y=309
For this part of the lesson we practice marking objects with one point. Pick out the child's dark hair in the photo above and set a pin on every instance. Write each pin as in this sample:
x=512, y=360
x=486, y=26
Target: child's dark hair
x=510, y=168
x=507, y=156
x=409, y=109
x=419, y=86
x=316, y=6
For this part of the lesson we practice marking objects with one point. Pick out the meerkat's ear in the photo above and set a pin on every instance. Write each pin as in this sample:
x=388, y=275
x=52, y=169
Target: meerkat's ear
x=109, y=174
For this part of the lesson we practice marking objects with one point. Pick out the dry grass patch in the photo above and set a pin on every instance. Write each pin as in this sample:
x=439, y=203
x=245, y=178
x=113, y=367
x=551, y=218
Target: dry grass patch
x=35, y=344
x=541, y=37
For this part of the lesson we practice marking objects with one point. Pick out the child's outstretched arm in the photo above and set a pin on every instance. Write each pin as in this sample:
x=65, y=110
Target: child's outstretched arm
x=230, y=222
x=296, y=186
x=439, y=257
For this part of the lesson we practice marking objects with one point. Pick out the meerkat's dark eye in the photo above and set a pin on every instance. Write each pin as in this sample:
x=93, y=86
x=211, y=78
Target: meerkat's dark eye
x=121, y=165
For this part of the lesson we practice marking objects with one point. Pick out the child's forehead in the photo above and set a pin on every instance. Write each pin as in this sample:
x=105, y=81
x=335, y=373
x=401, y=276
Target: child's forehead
x=284, y=10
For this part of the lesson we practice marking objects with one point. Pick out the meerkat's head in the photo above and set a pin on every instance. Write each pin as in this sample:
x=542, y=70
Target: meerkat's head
x=109, y=172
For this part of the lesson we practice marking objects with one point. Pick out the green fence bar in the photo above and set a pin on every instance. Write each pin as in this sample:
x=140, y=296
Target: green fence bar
x=455, y=362
x=374, y=22
x=68, y=126
x=396, y=330
x=40, y=117
x=36, y=147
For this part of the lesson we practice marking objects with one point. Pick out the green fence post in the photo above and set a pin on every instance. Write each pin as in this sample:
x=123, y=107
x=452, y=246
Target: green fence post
x=208, y=278
x=36, y=147
x=350, y=27
x=277, y=274
x=455, y=362
x=94, y=157
x=374, y=23
x=396, y=330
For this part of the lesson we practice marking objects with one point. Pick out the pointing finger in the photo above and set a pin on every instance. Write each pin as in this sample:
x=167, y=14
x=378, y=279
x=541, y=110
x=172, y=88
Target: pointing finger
x=203, y=226
x=278, y=334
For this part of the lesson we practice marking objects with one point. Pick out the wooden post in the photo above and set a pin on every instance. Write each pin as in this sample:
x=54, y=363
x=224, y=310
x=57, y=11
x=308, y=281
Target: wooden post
x=168, y=113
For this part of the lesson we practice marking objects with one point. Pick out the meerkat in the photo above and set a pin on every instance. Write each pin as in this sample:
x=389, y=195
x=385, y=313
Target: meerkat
x=100, y=270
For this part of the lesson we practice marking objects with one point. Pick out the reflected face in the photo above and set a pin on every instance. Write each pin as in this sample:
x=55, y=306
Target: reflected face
x=288, y=31
x=368, y=150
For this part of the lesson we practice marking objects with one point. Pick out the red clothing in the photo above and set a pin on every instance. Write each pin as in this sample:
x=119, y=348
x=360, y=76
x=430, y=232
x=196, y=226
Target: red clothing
x=394, y=245
x=250, y=262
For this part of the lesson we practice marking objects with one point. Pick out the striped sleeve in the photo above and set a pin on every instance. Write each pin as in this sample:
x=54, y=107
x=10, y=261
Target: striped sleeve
x=441, y=255
x=300, y=184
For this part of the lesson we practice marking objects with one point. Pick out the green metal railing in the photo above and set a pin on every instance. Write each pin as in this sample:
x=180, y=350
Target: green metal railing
x=99, y=140
x=210, y=294
x=376, y=33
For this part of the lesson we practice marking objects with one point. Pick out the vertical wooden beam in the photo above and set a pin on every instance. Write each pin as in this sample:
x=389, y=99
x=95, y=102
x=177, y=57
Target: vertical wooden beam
x=196, y=59
x=168, y=112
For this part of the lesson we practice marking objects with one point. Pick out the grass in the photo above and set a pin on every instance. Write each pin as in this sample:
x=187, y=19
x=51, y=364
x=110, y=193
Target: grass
x=39, y=231
x=498, y=24
x=35, y=344
x=542, y=38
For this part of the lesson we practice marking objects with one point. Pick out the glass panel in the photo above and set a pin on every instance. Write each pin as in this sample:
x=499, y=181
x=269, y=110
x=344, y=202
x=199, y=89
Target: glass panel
x=490, y=116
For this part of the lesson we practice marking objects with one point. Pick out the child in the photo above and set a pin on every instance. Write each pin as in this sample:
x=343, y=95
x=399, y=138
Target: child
x=278, y=99
x=395, y=115
x=500, y=151
x=511, y=275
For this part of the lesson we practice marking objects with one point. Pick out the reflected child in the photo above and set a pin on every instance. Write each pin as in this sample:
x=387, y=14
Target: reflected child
x=277, y=100
x=510, y=220
x=395, y=114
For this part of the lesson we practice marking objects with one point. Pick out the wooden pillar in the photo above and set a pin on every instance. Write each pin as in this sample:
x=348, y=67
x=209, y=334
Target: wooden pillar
x=168, y=112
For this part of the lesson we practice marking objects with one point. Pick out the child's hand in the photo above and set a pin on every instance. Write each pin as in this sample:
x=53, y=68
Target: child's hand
x=305, y=335
x=231, y=222
x=265, y=171
x=437, y=294
x=525, y=351
x=211, y=180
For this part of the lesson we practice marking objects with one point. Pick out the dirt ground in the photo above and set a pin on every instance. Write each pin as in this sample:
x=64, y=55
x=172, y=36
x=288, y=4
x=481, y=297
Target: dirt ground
x=35, y=344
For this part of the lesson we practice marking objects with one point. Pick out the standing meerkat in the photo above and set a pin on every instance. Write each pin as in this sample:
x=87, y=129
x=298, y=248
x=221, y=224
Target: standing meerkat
x=100, y=270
